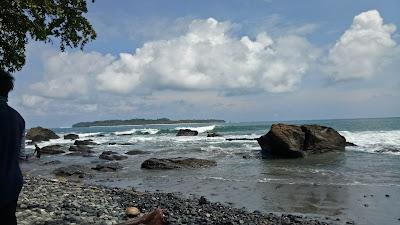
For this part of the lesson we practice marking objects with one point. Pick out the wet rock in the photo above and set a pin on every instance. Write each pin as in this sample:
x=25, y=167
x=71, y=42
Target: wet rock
x=81, y=154
x=132, y=212
x=52, y=162
x=136, y=152
x=213, y=134
x=241, y=139
x=107, y=167
x=85, y=142
x=110, y=155
x=292, y=141
x=350, y=144
x=71, y=136
x=177, y=163
x=38, y=134
x=187, y=132
x=52, y=150
x=72, y=170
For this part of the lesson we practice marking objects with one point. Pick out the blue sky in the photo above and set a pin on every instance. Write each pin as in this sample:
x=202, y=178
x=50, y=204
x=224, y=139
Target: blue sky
x=239, y=60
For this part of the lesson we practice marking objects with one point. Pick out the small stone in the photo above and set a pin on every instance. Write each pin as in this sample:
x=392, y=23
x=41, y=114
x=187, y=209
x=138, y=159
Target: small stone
x=132, y=212
x=387, y=196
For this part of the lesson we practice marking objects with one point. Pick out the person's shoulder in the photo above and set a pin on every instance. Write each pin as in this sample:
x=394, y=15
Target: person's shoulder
x=17, y=114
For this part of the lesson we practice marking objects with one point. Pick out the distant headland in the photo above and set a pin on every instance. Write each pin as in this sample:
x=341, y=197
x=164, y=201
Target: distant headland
x=142, y=122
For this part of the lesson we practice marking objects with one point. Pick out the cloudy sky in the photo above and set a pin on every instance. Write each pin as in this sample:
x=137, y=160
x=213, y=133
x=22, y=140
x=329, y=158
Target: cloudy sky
x=238, y=60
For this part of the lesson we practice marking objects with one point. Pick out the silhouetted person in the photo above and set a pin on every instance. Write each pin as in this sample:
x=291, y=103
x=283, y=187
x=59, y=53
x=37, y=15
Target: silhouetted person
x=12, y=149
x=37, y=151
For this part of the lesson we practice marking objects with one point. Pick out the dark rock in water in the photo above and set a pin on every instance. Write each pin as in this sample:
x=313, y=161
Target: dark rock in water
x=177, y=163
x=52, y=150
x=72, y=170
x=213, y=134
x=187, y=132
x=82, y=154
x=350, y=144
x=107, y=167
x=241, y=139
x=292, y=141
x=71, y=136
x=85, y=142
x=136, y=152
x=81, y=148
x=52, y=162
x=38, y=134
x=110, y=155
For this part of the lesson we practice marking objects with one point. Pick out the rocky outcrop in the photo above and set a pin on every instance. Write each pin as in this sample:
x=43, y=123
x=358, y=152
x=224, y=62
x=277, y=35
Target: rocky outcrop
x=177, y=163
x=292, y=141
x=107, y=167
x=110, y=155
x=85, y=142
x=136, y=152
x=213, y=134
x=38, y=134
x=71, y=136
x=52, y=150
x=187, y=132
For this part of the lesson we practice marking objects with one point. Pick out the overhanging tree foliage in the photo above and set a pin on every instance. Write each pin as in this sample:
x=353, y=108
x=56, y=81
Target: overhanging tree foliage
x=40, y=20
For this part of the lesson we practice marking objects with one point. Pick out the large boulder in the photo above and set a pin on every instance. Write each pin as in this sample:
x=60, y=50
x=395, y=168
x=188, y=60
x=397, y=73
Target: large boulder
x=38, y=134
x=292, y=141
x=71, y=136
x=52, y=150
x=187, y=132
x=177, y=163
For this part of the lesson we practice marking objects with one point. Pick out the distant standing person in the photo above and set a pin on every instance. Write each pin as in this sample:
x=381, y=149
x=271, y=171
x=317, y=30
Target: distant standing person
x=37, y=151
x=12, y=150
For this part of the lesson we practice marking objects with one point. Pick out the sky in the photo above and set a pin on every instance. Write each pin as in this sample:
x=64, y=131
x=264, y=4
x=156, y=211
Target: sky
x=237, y=60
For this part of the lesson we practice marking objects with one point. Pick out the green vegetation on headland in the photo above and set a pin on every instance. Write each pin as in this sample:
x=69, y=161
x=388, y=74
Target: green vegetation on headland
x=142, y=122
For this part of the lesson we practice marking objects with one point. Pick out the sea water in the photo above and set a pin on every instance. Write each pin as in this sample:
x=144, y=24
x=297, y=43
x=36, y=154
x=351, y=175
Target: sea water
x=350, y=185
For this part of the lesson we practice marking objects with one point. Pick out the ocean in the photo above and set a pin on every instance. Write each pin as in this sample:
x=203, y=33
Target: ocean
x=361, y=184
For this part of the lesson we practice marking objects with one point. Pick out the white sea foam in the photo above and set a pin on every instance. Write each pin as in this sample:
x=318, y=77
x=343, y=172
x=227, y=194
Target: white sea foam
x=375, y=141
x=83, y=135
x=198, y=129
x=137, y=131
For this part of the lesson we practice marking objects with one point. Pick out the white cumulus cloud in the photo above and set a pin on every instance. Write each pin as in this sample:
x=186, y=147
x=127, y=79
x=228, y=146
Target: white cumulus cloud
x=208, y=57
x=364, y=49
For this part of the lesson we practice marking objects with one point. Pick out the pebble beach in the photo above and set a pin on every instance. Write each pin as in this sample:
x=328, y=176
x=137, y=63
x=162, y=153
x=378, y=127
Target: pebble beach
x=45, y=201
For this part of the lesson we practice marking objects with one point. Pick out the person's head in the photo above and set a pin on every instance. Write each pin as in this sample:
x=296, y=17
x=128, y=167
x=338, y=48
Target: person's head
x=6, y=83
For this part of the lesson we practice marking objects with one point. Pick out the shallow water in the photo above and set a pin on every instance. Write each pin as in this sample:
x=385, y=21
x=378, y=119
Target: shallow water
x=332, y=184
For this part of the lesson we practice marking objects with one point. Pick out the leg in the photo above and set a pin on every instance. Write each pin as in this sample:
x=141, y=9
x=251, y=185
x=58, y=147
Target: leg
x=7, y=213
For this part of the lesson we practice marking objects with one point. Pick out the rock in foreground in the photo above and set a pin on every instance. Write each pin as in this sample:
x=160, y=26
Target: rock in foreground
x=110, y=155
x=38, y=134
x=187, y=132
x=292, y=141
x=177, y=163
x=52, y=150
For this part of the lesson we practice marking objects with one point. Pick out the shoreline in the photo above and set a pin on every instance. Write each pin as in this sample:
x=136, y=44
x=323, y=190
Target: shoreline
x=51, y=201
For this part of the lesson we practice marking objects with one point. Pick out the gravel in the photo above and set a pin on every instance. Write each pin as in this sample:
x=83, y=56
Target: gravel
x=50, y=201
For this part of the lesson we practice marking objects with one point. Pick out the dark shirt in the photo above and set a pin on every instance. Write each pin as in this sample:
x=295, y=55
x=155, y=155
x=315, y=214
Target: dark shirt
x=12, y=131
